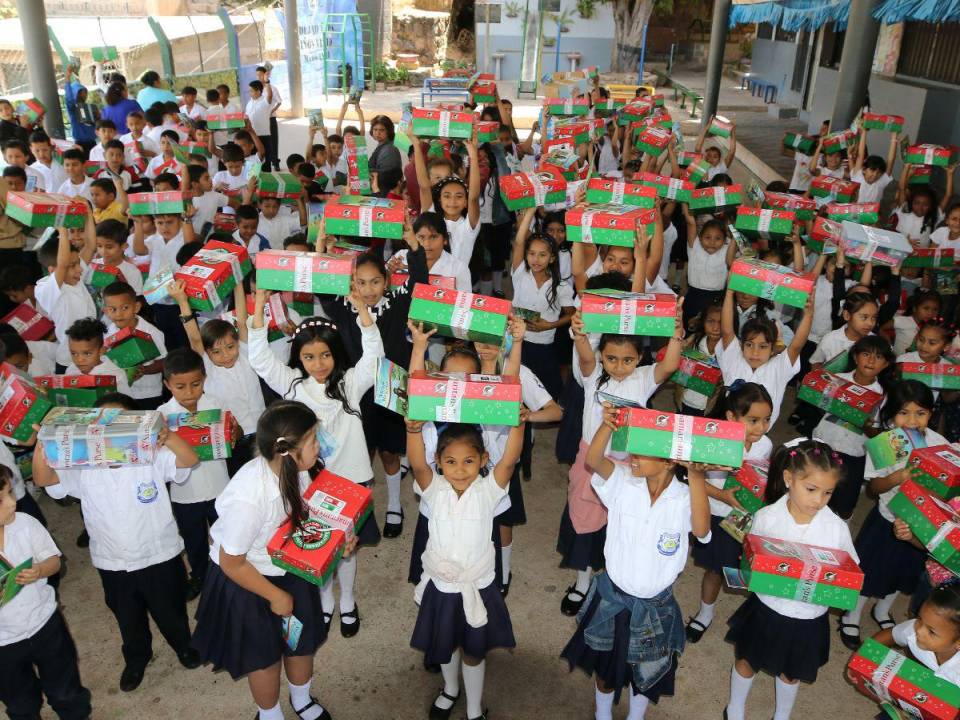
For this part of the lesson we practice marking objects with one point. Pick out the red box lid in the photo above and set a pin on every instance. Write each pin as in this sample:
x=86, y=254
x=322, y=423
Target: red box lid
x=743, y=211
x=312, y=551
x=610, y=217
x=786, y=201
x=824, y=182
x=753, y=477
x=47, y=203
x=827, y=566
x=644, y=304
x=852, y=208
x=922, y=368
x=337, y=501
x=644, y=419
x=772, y=273
x=291, y=260
x=76, y=381
x=939, y=461
x=826, y=230
x=464, y=300
x=847, y=392
x=125, y=334
x=28, y=322
x=502, y=388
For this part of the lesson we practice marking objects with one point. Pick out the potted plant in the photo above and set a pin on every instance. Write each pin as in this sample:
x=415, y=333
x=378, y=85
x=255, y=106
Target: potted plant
x=549, y=41
x=513, y=9
x=562, y=19
x=585, y=8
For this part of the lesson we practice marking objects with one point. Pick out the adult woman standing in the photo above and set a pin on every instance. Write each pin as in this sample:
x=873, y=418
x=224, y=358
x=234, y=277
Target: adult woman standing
x=118, y=106
x=386, y=156
x=152, y=92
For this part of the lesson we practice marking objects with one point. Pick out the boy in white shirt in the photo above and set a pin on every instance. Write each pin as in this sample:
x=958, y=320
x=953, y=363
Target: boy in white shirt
x=247, y=233
x=278, y=221
x=121, y=306
x=77, y=182
x=231, y=181
x=53, y=173
x=258, y=112
x=873, y=172
x=85, y=339
x=106, y=131
x=203, y=197
x=112, y=252
x=166, y=160
x=719, y=165
x=147, y=147
x=190, y=108
x=218, y=102
x=15, y=153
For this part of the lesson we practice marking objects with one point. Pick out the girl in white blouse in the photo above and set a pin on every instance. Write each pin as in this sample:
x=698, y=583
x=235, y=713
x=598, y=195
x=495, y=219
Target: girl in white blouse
x=462, y=614
x=788, y=639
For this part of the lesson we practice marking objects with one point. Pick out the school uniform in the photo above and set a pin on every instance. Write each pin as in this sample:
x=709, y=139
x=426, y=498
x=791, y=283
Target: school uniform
x=281, y=226
x=258, y=110
x=43, y=357
x=166, y=314
x=236, y=389
x=871, y=192
x=207, y=206
x=773, y=375
x=448, y=266
x=105, y=367
x=36, y=649
x=905, y=635
x=831, y=345
x=236, y=631
x=135, y=547
x=537, y=351
x=148, y=389
x=706, y=278
x=53, y=175
x=914, y=227
x=462, y=238
x=780, y=636
x=670, y=235
x=234, y=183
x=941, y=238
x=82, y=190
x=460, y=605
x=630, y=629
x=64, y=304
x=147, y=144
x=254, y=245
x=719, y=169
x=823, y=310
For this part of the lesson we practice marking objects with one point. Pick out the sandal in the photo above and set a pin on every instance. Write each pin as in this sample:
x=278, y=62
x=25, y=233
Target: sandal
x=884, y=624
x=572, y=601
x=312, y=711
x=393, y=528
x=695, y=630
x=850, y=640
x=439, y=713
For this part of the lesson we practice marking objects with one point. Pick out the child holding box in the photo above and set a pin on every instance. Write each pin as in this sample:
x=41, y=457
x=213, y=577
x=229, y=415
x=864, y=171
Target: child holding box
x=85, y=340
x=709, y=257
x=122, y=307
x=873, y=172
x=112, y=248
x=719, y=164
x=77, y=182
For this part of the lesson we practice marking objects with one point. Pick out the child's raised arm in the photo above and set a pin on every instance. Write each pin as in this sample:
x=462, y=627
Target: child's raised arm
x=517, y=328
x=655, y=250
x=89, y=248
x=597, y=452
x=731, y=253
x=671, y=358
x=641, y=245
x=503, y=470
x=139, y=247
x=732, y=149
x=814, y=167
x=523, y=229
x=586, y=355
x=420, y=338
x=240, y=310
x=474, y=183
x=175, y=289
x=727, y=333
x=856, y=164
x=892, y=152
x=799, y=259
x=343, y=112
x=43, y=474
x=63, y=256
x=691, y=224
x=420, y=165
x=699, y=504
x=417, y=455
x=948, y=194
x=581, y=258
x=703, y=136
x=803, y=329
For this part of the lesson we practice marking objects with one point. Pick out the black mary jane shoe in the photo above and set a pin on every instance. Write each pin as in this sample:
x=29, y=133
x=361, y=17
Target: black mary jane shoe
x=439, y=713
x=851, y=642
x=695, y=630
x=324, y=715
x=393, y=524
x=348, y=630
x=327, y=620
x=480, y=717
x=505, y=588
x=572, y=601
x=189, y=658
x=885, y=624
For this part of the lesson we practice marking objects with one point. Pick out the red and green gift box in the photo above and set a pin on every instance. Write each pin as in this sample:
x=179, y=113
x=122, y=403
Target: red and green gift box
x=902, y=685
x=801, y=143
x=311, y=553
x=928, y=154
x=42, y=210
x=920, y=175
x=931, y=257
x=697, y=170
x=825, y=234
x=797, y=571
x=442, y=123
x=483, y=88
x=618, y=192
x=342, y=247
x=226, y=121
x=399, y=280
x=208, y=432
x=863, y=213
x=770, y=281
x=129, y=347
x=210, y=276
x=156, y=203
x=488, y=131
x=686, y=158
x=104, y=53
x=608, y=106
x=716, y=199
x=362, y=216
x=698, y=372
x=763, y=223
x=196, y=148
x=655, y=433
x=77, y=390
x=60, y=147
x=285, y=186
x=937, y=469
x=562, y=161
x=338, y=503
x=29, y=323
x=457, y=397
x=669, y=188
x=863, y=243
x=102, y=274
x=880, y=121
x=93, y=168
x=304, y=272
x=836, y=189
x=627, y=313
x=932, y=521
x=749, y=484
x=23, y=404
x=567, y=106
x=843, y=398
x=358, y=165
x=660, y=118
x=523, y=190
x=837, y=142
x=720, y=126
x=608, y=224
x=578, y=131
x=300, y=302
x=635, y=111
x=938, y=376
x=31, y=109
x=803, y=208
x=463, y=315
x=654, y=140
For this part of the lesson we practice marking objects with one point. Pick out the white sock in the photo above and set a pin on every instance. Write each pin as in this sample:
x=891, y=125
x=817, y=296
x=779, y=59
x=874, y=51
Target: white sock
x=583, y=580
x=300, y=698
x=786, y=697
x=852, y=617
x=451, y=681
x=883, y=606
x=473, y=684
x=404, y=464
x=739, y=689
x=705, y=616
x=638, y=706
x=498, y=280
x=604, y=705
x=393, y=492
x=274, y=713
x=505, y=552
x=486, y=287
x=347, y=575
x=327, y=600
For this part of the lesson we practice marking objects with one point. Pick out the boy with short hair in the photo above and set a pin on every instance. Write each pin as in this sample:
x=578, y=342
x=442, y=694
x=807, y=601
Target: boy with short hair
x=278, y=220
x=42, y=149
x=873, y=172
x=190, y=108
x=137, y=139
x=17, y=285
x=16, y=153
x=16, y=178
x=114, y=155
x=719, y=165
x=248, y=221
x=77, y=182
x=258, y=112
x=122, y=306
x=106, y=131
x=87, y=354
x=167, y=182
x=109, y=200
x=166, y=161
x=232, y=180
x=112, y=248
x=34, y=357
x=204, y=198
x=294, y=161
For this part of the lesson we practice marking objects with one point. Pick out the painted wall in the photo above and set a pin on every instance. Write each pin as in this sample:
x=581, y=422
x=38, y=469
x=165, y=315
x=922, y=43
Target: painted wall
x=773, y=61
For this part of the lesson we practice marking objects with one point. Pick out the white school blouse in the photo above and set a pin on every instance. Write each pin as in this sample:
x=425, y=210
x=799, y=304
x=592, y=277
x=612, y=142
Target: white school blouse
x=758, y=454
x=912, y=225
x=349, y=458
x=236, y=389
x=148, y=386
x=638, y=386
x=905, y=635
x=831, y=345
x=932, y=438
x=207, y=206
x=462, y=238
x=249, y=513
x=773, y=375
x=207, y=479
x=905, y=332
x=871, y=192
x=646, y=546
x=719, y=169
x=281, y=226
x=448, y=266
x=35, y=604
x=826, y=530
x=126, y=511
x=706, y=271
x=163, y=254
x=64, y=304
x=840, y=438
x=526, y=294
x=941, y=238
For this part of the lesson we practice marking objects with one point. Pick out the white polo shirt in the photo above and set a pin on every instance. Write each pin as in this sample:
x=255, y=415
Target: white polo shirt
x=207, y=479
x=163, y=254
x=35, y=604
x=105, y=367
x=64, y=304
x=840, y=438
x=905, y=635
x=236, y=389
x=773, y=375
x=706, y=271
x=448, y=266
x=148, y=386
x=638, y=386
x=526, y=294
x=831, y=345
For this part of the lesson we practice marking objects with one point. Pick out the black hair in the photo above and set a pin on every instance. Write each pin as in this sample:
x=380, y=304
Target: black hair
x=242, y=135
x=295, y=159
x=6, y=478
x=699, y=331
x=901, y=393
x=713, y=224
x=39, y=136
x=256, y=85
x=738, y=398
x=213, y=96
x=73, y=154
x=856, y=300
x=374, y=259
x=187, y=251
x=945, y=599
x=16, y=144
x=15, y=172
x=778, y=186
x=247, y=212
x=212, y=331
x=154, y=115
x=435, y=222
x=113, y=230
x=388, y=179
x=105, y=184
x=223, y=86
x=920, y=296
x=87, y=329
x=334, y=138
x=169, y=178
x=232, y=153
x=15, y=277
x=47, y=253
x=105, y=123
x=609, y=281
x=114, y=93
x=875, y=162
x=932, y=217
x=875, y=345
x=462, y=350
x=460, y=432
x=387, y=124
x=759, y=325
x=307, y=170
x=261, y=68
x=171, y=135
x=124, y=401
x=195, y=172
x=150, y=77
x=188, y=90
x=553, y=267
x=182, y=360
x=943, y=325
x=611, y=339
x=113, y=145
x=317, y=329
x=799, y=459
x=118, y=288
x=720, y=178
x=296, y=239
x=14, y=345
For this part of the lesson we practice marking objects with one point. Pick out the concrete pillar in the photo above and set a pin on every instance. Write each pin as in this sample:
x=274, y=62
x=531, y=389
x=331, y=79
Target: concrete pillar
x=856, y=63
x=718, y=43
x=292, y=43
x=43, y=78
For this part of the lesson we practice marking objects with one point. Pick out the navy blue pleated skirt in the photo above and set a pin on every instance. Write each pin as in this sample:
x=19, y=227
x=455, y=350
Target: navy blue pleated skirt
x=370, y=531
x=580, y=551
x=422, y=533
x=888, y=565
x=237, y=632
x=383, y=429
x=516, y=514
x=722, y=550
x=442, y=626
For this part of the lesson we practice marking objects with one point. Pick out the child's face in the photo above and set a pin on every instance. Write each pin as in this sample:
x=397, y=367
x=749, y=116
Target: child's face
x=931, y=342
x=42, y=151
x=862, y=321
x=135, y=125
x=712, y=240
x=6, y=110
x=379, y=133
x=247, y=146
x=122, y=310
x=317, y=360
x=18, y=296
x=912, y=416
x=488, y=353
x=539, y=256
x=431, y=241
x=712, y=156
x=619, y=359
x=205, y=182
x=460, y=364
x=114, y=158
x=920, y=205
x=619, y=259
x=16, y=184
x=166, y=146
x=106, y=134
x=298, y=247
x=269, y=207
x=203, y=136
x=167, y=226
x=72, y=276
x=101, y=198
x=834, y=160
x=645, y=466
x=111, y=252
x=558, y=231
x=15, y=157
x=247, y=228
x=936, y=631
x=335, y=148
x=871, y=175
x=188, y=100
x=711, y=324
x=77, y=238
x=953, y=221
x=809, y=491
x=224, y=94
x=74, y=169
x=8, y=505
x=85, y=354
x=461, y=463
x=869, y=365
x=453, y=200
x=369, y=283
x=186, y=388
x=234, y=167
x=21, y=361
x=163, y=186
x=225, y=351
x=756, y=350
x=438, y=172
x=744, y=301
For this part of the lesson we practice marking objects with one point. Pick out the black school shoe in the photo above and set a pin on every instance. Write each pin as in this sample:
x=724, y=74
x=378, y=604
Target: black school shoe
x=570, y=605
x=131, y=677
x=189, y=658
x=348, y=630
x=439, y=713
x=695, y=630
x=194, y=586
x=324, y=715
x=851, y=642
x=393, y=528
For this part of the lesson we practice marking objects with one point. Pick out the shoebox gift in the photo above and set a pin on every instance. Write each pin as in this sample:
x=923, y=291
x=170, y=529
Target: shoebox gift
x=698, y=371
x=803, y=208
x=629, y=313
x=226, y=121
x=697, y=170
x=679, y=437
x=362, y=216
x=42, y=210
x=901, y=685
x=311, y=552
x=880, y=121
x=156, y=203
x=863, y=243
x=686, y=158
x=758, y=223
x=577, y=130
x=608, y=224
x=456, y=397
x=338, y=503
x=462, y=315
x=931, y=257
x=210, y=276
x=561, y=160
x=932, y=521
x=825, y=236
x=488, y=131
x=618, y=192
x=770, y=281
x=304, y=272
x=920, y=175
x=843, y=398
x=864, y=213
x=281, y=185
x=720, y=126
x=79, y=391
x=937, y=469
x=31, y=109
x=567, y=106
x=715, y=199
x=28, y=322
x=77, y=437
x=358, y=165
x=653, y=140
x=835, y=189
x=22, y=403
x=890, y=450
x=635, y=111
x=208, y=432
x=300, y=302
x=927, y=154
x=938, y=376
x=155, y=287
x=837, y=141
x=749, y=484
x=795, y=571
x=400, y=279
x=130, y=347
x=99, y=274
x=800, y=143
x=483, y=88
x=442, y=123
x=523, y=190
x=608, y=107
x=669, y=188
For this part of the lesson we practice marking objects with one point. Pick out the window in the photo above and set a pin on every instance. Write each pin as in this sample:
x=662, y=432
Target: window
x=832, y=47
x=765, y=31
x=931, y=51
x=481, y=12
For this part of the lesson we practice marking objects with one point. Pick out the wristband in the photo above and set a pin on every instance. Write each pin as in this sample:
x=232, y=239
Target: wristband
x=187, y=318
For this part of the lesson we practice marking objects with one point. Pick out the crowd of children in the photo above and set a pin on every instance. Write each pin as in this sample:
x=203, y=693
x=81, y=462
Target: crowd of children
x=177, y=531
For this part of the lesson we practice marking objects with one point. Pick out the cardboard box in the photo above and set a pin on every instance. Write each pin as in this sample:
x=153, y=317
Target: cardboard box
x=837, y=142
x=523, y=190
x=765, y=224
x=939, y=376
x=442, y=123
x=462, y=315
x=749, y=484
x=686, y=158
x=400, y=279
x=843, y=398
x=931, y=257
x=937, y=469
x=608, y=224
x=883, y=247
x=770, y=281
x=226, y=121
x=304, y=272
x=577, y=130
x=77, y=391
x=635, y=110
x=210, y=276
x=920, y=175
x=285, y=186
x=800, y=143
x=697, y=171
x=835, y=189
x=156, y=203
x=716, y=199
x=864, y=213
x=655, y=433
x=880, y=121
x=74, y=437
x=208, y=432
x=155, y=288
x=720, y=126
x=300, y=302
x=567, y=106
x=456, y=397
x=358, y=165
x=889, y=451
x=361, y=216
x=627, y=313
x=23, y=404
x=928, y=154
x=104, y=54
x=29, y=323
x=825, y=236
x=99, y=275
x=483, y=88
x=795, y=571
x=800, y=206
x=41, y=210
x=933, y=522
x=698, y=372
x=130, y=347
x=338, y=503
x=311, y=553
x=608, y=107
x=488, y=131
x=654, y=140
x=31, y=109
x=669, y=188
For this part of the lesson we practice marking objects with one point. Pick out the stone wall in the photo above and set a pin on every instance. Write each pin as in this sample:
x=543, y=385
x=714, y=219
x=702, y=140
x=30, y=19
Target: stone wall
x=423, y=33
